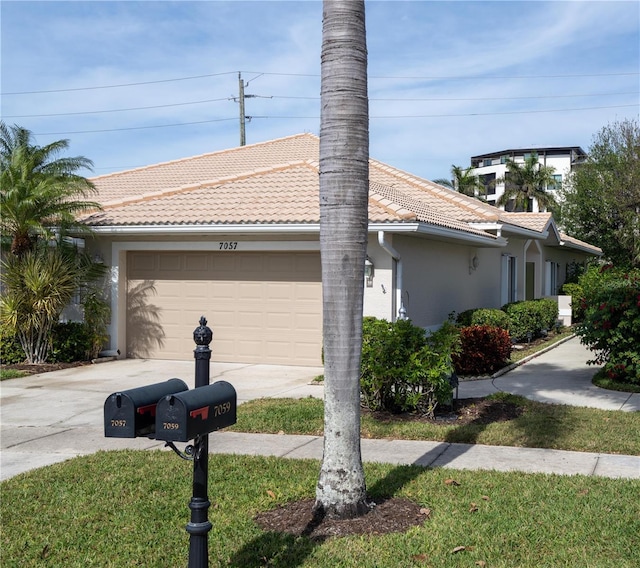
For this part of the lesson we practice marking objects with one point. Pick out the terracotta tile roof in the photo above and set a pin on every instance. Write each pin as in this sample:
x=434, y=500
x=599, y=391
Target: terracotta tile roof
x=534, y=221
x=206, y=167
x=277, y=182
x=576, y=243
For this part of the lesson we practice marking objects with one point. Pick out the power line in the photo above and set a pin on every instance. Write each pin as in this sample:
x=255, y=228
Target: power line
x=390, y=77
x=132, y=127
x=286, y=97
x=403, y=117
x=116, y=110
x=116, y=86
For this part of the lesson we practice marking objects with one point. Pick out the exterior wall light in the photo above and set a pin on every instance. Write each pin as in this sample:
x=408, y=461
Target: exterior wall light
x=473, y=264
x=368, y=272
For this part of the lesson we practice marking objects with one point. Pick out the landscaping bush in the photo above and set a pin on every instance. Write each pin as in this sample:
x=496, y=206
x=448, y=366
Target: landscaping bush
x=611, y=326
x=577, y=294
x=483, y=350
x=528, y=319
x=483, y=316
x=11, y=351
x=70, y=342
x=403, y=369
x=548, y=313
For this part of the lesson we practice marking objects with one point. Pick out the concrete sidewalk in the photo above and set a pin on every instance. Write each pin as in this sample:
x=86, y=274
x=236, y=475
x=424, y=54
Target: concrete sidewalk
x=56, y=416
x=560, y=375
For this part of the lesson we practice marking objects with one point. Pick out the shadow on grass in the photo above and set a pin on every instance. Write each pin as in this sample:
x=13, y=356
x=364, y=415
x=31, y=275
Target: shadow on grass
x=280, y=550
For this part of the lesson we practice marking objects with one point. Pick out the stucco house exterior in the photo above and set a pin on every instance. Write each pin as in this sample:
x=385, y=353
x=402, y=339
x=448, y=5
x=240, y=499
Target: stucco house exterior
x=493, y=166
x=234, y=235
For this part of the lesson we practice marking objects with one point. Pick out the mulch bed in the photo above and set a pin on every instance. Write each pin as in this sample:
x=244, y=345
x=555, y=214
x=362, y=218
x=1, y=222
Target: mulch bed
x=384, y=516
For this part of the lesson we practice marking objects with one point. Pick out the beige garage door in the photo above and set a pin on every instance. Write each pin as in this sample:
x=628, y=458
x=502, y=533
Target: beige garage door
x=262, y=307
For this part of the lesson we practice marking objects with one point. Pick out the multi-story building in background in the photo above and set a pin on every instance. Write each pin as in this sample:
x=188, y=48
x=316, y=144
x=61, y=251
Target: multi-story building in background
x=493, y=166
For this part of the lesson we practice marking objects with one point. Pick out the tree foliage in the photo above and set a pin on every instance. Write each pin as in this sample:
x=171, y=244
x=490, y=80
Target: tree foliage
x=601, y=200
x=463, y=181
x=611, y=326
x=41, y=193
x=525, y=183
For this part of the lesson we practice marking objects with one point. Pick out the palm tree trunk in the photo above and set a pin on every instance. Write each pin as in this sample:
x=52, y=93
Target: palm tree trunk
x=344, y=188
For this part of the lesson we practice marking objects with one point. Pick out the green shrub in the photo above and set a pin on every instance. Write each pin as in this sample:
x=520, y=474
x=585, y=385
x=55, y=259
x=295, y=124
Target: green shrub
x=529, y=319
x=484, y=349
x=548, y=313
x=11, y=351
x=611, y=326
x=404, y=369
x=70, y=342
x=483, y=316
x=577, y=294
x=491, y=317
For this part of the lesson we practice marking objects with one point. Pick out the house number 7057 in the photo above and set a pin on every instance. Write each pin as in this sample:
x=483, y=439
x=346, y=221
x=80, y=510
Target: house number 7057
x=228, y=245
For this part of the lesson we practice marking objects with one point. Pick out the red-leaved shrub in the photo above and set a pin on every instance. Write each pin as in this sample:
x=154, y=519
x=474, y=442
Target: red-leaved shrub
x=484, y=350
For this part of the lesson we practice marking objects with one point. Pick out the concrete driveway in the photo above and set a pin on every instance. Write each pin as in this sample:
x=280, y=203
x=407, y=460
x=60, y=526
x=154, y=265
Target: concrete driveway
x=55, y=416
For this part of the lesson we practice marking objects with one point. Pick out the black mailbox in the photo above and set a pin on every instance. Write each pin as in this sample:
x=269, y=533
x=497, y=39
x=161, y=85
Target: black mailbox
x=132, y=413
x=182, y=416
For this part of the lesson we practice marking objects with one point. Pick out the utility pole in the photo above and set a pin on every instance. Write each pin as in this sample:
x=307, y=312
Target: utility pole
x=240, y=99
x=242, y=116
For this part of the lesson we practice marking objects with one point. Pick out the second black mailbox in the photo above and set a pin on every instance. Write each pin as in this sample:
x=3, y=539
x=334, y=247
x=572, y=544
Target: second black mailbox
x=180, y=417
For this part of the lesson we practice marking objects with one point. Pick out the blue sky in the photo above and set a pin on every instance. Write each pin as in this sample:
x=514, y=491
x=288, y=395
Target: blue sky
x=134, y=83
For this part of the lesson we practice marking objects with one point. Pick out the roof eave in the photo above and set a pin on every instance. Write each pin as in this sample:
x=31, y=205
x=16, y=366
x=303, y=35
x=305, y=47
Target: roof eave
x=440, y=233
x=582, y=248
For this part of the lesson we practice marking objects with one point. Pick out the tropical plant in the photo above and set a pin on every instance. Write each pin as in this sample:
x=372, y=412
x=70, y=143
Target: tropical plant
x=344, y=192
x=601, y=198
x=40, y=193
x=463, y=181
x=526, y=183
x=37, y=287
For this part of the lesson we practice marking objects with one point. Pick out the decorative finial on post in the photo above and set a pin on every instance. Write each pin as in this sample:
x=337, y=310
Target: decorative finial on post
x=202, y=335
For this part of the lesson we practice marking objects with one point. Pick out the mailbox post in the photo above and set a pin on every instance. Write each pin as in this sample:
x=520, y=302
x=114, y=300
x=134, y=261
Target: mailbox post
x=171, y=412
x=199, y=525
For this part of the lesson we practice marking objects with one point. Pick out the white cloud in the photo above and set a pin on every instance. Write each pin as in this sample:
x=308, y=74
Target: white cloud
x=434, y=50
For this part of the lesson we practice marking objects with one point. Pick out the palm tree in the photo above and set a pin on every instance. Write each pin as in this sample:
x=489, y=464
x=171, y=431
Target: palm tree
x=525, y=183
x=40, y=192
x=344, y=190
x=463, y=181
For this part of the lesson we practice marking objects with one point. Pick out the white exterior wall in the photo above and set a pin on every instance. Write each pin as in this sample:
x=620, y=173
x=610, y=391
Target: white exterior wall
x=439, y=279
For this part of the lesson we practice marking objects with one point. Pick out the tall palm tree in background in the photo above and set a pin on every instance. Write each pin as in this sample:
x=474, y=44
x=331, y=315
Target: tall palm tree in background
x=463, y=181
x=525, y=183
x=344, y=191
x=40, y=192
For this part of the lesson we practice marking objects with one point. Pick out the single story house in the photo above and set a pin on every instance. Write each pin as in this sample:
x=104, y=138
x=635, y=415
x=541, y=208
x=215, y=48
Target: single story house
x=234, y=235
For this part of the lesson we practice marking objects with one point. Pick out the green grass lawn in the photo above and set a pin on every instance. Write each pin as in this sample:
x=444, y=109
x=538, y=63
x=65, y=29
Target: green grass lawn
x=129, y=508
x=539, y=426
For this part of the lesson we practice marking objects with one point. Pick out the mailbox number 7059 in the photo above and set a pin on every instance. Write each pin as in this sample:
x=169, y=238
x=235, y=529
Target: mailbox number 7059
x=220, y=409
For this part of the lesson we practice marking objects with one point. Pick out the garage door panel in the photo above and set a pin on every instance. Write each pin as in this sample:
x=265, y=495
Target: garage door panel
x=262, y=307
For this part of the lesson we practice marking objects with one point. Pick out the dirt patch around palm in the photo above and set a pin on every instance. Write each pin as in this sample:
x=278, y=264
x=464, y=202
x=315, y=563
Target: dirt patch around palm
x=384, y=516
